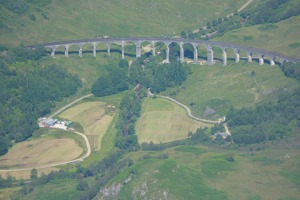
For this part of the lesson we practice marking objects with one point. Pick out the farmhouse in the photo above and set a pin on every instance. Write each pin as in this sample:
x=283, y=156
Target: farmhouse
x=49, y=122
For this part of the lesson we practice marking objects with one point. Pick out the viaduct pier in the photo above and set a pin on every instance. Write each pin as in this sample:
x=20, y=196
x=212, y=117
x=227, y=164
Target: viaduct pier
x=251, y=52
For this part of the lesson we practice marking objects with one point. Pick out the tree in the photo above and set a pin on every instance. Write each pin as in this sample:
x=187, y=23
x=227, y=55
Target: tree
x=183, y=35
x=123, y=64
x=34, y=173
x=82, y=185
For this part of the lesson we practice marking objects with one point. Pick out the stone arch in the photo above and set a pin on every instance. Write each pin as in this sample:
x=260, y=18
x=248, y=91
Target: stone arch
x=219, y=54
x=189, y=51
x=174, y=51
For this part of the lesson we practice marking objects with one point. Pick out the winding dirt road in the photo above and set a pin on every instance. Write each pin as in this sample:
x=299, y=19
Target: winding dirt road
x=190, y=115
x=66, y=162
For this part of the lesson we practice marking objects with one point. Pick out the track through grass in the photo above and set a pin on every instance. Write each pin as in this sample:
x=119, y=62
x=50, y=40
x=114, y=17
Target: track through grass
x=163, y=121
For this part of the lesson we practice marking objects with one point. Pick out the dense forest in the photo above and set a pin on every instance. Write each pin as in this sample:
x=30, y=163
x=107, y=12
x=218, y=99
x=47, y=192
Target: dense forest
x=28, y=91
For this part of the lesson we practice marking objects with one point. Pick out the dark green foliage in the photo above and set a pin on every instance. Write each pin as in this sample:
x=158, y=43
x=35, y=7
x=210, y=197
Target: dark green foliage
x=22, y=6
x=82, y=185
x=20, y=54
x=5, y=143
x=183, y=35
x=32, y=17
x=28, y=92
x=114, y=82
x=123, y=64
x=130, y=110
x=199, y=137
x=217, y=128
x=8, y=182
x=17, y=6
x=169, y=75
x=291, y=70
x=268, y=121
x=272, y=11
x=33, y=174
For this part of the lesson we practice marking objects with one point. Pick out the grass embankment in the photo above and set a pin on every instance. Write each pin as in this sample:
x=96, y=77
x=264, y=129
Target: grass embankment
x=66, y=19
x=198, y=172
x=218, y=88
x=163, y=121
x=282, y=37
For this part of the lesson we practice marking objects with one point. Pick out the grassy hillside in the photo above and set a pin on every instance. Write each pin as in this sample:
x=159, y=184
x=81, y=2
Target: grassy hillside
x=164, y=121
x=68, y=19
x=282, y=37
x=217, y=87
x=198, y=172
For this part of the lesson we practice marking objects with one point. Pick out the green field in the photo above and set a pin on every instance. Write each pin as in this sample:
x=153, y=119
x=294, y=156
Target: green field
x=67, y=19
x=199, y=172
x=57, y=189
x=164, y=121
x=218, y=88
x=282, y=37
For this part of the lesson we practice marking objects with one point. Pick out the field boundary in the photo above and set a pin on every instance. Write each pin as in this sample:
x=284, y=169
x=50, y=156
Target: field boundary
x=57, y=164
x=66, y=162
x=190, y=115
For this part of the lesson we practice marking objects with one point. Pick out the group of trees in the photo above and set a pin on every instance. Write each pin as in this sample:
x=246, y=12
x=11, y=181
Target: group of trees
x=270, y=11
x=130, y=110
x=169, y=75
x=101, y=172
x=291, y=70
x=265, y=122
x=22, y=6
x=115, y=81
x=28, y=92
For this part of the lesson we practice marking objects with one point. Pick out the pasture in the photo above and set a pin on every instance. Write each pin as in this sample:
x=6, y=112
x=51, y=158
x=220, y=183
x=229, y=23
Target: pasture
x=63, y=19
x=217, y=88
x=262, y=171
x=164, y=121
x=93, y=118
x=282, y=37
x=46, y=147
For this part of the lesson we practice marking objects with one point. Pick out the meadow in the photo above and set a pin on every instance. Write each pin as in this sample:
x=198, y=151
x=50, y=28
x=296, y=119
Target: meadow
x=201, y=172
x=46, y=147
x=217, y=88
x=282, y=37
x=163, y=121
x=66, y=19
x=93, y=118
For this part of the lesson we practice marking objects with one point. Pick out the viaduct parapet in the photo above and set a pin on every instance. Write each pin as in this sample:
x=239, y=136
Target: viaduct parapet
x=261, y=54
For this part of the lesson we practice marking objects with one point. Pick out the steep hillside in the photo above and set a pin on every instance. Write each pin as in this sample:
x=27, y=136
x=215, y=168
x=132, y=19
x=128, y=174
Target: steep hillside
x=68, y=19
x=282, y=37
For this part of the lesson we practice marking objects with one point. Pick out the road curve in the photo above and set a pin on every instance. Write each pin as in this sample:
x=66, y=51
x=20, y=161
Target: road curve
x=67, y=162
x=68, y=105
x=57, y=164
x=188, y=110
x=190, y=115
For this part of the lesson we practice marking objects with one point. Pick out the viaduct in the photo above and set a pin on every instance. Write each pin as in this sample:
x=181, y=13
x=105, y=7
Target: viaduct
x=261, y=54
